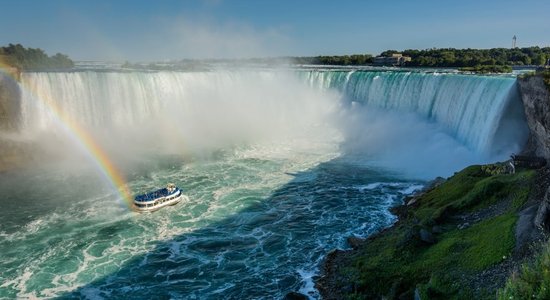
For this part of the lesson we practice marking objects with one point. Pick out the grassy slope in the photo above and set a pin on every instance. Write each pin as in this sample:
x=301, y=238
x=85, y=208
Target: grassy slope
x=396, y=261
x=532, y=282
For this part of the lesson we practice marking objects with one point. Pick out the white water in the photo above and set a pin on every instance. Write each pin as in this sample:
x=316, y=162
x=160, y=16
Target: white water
x=280, y=167
x=195, y=112
x=482, y=112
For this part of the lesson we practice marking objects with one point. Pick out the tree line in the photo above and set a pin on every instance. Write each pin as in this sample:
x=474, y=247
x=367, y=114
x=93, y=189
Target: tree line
x=33, y=58
x=341, y=60
x=450, y=57
x=443, y=57
x=474, y=59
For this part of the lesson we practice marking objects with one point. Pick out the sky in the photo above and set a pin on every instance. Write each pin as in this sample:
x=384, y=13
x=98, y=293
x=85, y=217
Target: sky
x=162, y=30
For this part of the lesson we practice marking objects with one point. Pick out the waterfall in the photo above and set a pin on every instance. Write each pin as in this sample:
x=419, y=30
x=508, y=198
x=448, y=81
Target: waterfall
x=483, y=112
x=192, y=110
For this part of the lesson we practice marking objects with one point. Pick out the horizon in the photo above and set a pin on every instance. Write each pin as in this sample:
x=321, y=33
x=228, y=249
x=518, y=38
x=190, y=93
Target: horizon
x=213, y=59
x=217, y=29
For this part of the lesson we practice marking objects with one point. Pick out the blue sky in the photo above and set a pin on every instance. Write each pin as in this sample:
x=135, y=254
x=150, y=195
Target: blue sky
x=159, y=30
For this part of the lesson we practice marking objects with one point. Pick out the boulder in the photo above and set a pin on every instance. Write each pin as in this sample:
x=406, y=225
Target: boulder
x=412, y=201
x=355, y=242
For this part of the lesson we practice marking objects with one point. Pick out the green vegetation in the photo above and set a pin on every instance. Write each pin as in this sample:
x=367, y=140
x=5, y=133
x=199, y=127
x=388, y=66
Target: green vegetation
x=532, y=282
x=398, y=260
x=343, y=60
x=487, y=69
x=496, y=60
x=33, y=58
x=450, y=57
x=473, y=248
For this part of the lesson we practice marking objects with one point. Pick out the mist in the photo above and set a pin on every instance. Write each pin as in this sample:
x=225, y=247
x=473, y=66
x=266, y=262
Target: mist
x=195, y=115
x=405, y=143
x=189, y=115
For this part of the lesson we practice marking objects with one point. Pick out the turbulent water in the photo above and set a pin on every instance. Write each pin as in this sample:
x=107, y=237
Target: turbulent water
x=280, y=168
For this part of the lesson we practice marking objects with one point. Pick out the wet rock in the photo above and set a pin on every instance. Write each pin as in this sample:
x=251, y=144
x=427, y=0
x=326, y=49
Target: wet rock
x=426, y=236
x=295, y=296
x=542, y=218
x=355, y=242
x=412, y=201
x=525, y=227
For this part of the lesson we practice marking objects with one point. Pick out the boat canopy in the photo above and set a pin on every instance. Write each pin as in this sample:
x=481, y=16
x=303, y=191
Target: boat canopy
x=156, y=194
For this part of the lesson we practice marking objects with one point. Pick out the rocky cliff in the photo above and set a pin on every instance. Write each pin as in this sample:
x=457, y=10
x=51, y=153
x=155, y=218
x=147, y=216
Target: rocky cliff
x=536, y=101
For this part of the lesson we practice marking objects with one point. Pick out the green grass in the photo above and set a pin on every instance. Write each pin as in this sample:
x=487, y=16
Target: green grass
x=470, y=190
x=532, y=282
x=473, y=249
x=436, y=201
x=396, y=261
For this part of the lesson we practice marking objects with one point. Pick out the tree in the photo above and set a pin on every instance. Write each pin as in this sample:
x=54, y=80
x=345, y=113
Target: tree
x=33, y=58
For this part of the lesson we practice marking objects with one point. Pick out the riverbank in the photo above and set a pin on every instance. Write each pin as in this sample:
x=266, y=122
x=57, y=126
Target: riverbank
x=460, y=239
x=464, y=238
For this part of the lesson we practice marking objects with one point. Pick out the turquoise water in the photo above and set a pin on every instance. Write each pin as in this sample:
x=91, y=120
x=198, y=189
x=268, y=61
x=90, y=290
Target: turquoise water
x=280, y=168
x=255, y=227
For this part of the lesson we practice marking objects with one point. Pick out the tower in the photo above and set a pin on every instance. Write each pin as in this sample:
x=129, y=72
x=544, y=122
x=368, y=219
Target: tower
x=514, y=42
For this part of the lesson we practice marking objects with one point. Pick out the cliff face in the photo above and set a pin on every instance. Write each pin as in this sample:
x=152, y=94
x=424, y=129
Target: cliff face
x=536, y=102
x=10, y=103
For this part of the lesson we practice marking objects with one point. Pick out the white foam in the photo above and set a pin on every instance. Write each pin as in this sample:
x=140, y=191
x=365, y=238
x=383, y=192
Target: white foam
x=223, y=288
x=411, y=189
x=308, y=285
x=371, y=186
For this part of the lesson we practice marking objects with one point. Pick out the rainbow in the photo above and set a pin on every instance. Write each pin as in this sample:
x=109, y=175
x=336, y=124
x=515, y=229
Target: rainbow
x=80, y=136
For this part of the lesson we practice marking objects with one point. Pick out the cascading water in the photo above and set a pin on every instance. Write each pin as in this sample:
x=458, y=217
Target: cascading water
x=275, y=164
x=470, y=107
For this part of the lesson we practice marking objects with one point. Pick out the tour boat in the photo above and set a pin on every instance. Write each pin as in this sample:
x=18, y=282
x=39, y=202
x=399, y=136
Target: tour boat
x=152, y=201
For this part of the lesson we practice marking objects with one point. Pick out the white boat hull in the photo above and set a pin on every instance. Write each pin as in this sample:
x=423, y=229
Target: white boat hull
x=160, y=203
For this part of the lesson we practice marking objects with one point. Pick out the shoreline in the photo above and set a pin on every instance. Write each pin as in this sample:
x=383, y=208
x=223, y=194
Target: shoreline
x=337, y=275
x=332, y=282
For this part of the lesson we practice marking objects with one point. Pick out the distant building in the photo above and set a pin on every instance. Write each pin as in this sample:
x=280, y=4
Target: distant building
x=397, y=59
